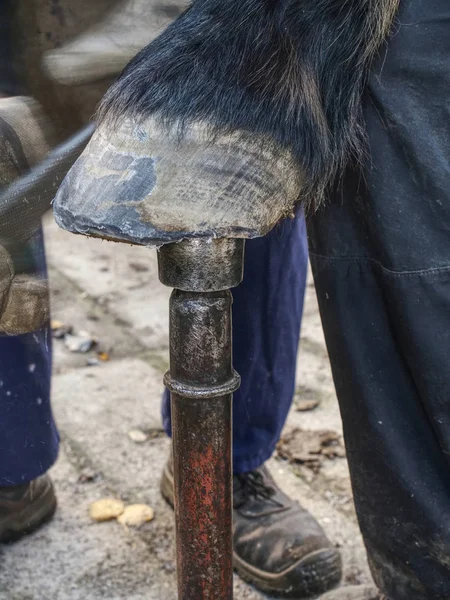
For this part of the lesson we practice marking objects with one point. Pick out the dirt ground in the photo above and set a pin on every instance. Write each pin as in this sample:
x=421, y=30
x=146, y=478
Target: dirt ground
x=112, y=292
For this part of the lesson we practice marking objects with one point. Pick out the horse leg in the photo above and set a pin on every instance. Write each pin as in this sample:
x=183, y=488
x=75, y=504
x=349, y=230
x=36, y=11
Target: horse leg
x=214, y=132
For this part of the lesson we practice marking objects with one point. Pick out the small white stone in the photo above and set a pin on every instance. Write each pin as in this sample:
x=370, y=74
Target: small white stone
x=136, y=515
x=137, y=436
x=106, y=509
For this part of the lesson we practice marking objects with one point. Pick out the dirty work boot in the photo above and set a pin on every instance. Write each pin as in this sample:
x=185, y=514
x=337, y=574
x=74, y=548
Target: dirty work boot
x=104, y=50
x=278, y=546
x=25, y=138
x=24, y=508
x=355, y=592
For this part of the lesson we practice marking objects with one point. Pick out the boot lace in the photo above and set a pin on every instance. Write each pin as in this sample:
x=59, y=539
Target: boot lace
x=251, y=485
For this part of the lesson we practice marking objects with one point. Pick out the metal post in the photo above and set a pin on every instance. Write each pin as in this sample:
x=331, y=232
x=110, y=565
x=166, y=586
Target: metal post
x=201, y=381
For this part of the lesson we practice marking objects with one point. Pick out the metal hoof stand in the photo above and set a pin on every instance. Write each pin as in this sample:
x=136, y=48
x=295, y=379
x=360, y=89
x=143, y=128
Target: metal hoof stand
x=201, y=381
x=140, y=185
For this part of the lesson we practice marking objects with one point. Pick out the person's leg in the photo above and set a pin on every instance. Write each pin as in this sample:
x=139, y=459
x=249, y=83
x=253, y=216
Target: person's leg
x=267, y=312
x=28, y=436
x=380, y=253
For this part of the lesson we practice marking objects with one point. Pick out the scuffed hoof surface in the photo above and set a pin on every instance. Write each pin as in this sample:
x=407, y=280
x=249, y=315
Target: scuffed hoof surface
x=142, y=184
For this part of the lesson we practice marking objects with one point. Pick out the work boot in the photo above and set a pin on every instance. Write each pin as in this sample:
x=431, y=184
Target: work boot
x=25, y=138
x=355, y=592
x=278, y=546
x=105, y=49
x=24, y=508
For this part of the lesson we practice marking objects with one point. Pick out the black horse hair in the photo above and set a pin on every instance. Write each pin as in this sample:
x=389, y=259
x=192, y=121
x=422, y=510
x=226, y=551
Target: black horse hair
x=291, y=70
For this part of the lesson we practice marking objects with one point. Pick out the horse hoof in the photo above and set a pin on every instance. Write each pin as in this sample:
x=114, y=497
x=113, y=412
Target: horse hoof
x=142, y=183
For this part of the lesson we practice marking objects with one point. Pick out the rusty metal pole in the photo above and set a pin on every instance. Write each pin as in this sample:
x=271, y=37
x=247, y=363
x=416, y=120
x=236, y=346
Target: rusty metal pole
x=201, y=381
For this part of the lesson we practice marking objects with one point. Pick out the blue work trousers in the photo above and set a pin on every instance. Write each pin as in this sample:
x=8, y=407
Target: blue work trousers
x=267, y=312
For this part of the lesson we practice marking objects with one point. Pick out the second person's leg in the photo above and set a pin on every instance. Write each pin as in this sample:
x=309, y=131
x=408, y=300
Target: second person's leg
x=380, y=253
x=28, y=437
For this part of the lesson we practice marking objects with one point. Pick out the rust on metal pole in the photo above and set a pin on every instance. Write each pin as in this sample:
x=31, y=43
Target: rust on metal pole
x=201, y=381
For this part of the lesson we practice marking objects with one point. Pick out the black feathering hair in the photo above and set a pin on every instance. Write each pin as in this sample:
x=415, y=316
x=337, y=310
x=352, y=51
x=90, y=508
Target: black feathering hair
x=291, y=70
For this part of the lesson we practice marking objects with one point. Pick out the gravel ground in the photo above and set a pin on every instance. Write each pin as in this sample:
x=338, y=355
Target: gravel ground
x=112, y=292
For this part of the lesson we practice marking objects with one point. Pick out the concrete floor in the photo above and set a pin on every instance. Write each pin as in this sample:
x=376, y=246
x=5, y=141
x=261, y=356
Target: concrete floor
x=112, y=291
